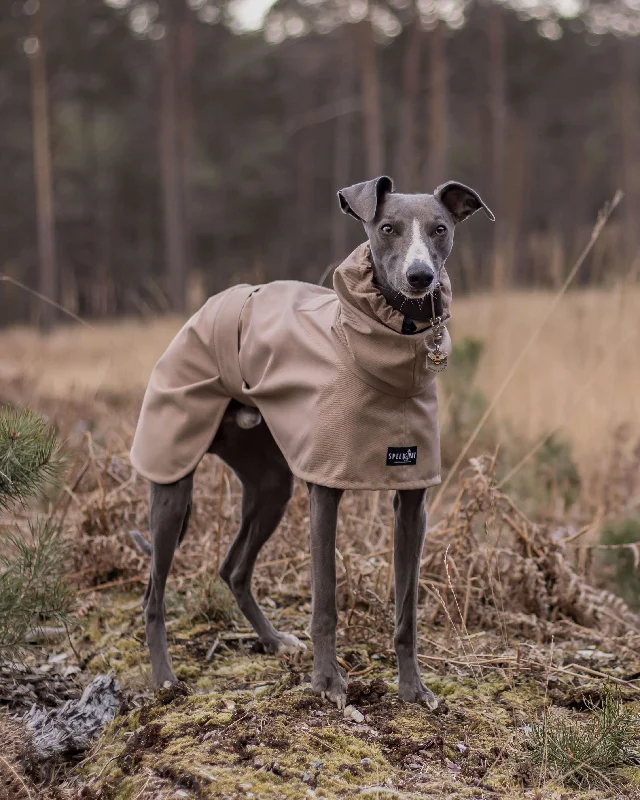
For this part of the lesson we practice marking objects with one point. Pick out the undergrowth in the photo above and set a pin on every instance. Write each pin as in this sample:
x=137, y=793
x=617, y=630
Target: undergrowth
x=27, y=449
x=32, y=592
x=622, y=562
x=211, y=599
x=587, y=754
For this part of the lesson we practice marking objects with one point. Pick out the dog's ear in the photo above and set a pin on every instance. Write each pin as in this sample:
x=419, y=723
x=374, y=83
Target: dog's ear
x=461, y=201
x=361, y=200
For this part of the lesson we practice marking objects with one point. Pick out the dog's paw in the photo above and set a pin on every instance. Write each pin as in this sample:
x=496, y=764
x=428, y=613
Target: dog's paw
x=331, y=687
x=169, y=692
x=163, y=679
x=417, y=692
x=289, y=645
x=284, y=644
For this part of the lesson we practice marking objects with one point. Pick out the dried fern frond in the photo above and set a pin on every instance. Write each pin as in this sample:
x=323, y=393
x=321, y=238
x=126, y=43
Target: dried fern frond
x=27, y=450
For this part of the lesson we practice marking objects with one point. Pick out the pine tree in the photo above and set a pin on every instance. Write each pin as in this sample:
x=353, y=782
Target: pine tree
x=32, y=591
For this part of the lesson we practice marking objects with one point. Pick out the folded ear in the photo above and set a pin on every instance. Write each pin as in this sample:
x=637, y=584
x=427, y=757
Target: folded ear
x=361, y=200
x=461, y=201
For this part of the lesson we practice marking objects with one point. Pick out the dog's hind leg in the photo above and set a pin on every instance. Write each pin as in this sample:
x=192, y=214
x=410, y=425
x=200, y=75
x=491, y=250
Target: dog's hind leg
x=267, y=486
x=168, y=519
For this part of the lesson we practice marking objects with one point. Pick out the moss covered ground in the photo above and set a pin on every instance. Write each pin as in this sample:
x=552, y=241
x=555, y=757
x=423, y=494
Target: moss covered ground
x=242, y=724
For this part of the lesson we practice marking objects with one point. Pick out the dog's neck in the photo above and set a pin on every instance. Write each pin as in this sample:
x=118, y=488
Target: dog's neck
x=421, y=310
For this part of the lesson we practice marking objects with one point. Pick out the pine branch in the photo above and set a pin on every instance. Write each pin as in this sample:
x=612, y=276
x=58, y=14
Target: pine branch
x=27, y=450
x=32, y=592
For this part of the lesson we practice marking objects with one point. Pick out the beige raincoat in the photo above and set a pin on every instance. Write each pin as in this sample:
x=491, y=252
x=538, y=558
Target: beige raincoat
x=346, y=395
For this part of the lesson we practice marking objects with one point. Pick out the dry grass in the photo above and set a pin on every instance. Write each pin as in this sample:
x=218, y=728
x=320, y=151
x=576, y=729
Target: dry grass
x=114, y=358
x=505, y=612
x=14, y=784
x=486, y=565
x=580, y=376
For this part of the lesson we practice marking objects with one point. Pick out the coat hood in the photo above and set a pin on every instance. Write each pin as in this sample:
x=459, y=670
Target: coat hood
x=369, y=331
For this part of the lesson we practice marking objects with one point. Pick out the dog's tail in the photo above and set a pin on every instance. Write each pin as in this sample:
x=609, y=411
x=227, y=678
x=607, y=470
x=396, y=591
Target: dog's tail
x=141, y=543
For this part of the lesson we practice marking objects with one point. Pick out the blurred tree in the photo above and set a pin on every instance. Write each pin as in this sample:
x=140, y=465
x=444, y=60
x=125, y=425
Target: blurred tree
x=628, y=108
x=172, y=151
x=437, y=117
x=408, y=142
x=498, y=111
x=198, y=154
x=48, y=281
x=372, y=113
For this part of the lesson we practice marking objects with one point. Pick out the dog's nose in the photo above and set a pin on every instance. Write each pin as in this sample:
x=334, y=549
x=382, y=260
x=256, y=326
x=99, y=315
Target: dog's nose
x=420, y=276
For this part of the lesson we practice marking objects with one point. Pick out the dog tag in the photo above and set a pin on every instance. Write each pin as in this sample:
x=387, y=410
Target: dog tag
x=436, y=360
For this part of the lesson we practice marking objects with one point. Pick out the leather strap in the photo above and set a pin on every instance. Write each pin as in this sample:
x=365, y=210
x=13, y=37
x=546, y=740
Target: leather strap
x=228, y=318
x=416, y=310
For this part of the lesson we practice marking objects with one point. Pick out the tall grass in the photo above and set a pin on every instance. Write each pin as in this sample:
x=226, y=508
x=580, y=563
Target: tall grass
x=591, y=341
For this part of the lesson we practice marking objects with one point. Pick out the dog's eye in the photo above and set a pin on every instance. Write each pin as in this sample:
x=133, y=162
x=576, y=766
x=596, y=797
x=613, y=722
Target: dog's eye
x=387, y=228
x=441, y=230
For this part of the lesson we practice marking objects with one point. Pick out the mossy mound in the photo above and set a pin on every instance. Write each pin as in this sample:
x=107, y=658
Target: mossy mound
x=242, y=724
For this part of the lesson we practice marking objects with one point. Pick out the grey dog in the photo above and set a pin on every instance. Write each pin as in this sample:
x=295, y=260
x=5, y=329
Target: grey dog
x=410, y=237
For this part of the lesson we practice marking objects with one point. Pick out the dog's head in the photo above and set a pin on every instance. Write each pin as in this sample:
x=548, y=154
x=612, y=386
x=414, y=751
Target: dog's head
x=411, y=235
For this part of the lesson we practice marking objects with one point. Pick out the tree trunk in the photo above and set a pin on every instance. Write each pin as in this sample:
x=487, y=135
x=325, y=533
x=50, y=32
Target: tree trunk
x=172, y=167
x=407, y=157
x=186, y=59
x=373, y=132
x=515, y=186
x=437, y=119
x=342, y=144
x=305, y=159
x=628, y=115
x=498, y=115
x=48, y=283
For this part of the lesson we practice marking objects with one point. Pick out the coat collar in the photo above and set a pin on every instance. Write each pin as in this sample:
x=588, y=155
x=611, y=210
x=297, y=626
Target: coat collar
x=354, y=284
x=369, y=332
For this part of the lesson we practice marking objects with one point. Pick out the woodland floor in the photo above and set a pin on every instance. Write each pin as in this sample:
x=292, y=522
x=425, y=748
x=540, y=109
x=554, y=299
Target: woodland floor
x=515, y=626
x=242, y=724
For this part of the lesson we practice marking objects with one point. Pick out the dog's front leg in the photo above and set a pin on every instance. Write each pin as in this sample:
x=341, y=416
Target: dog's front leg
x=327, y=678
x=410, y=529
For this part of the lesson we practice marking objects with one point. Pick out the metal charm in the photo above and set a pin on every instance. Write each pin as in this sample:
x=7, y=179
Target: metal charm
x=436, y=359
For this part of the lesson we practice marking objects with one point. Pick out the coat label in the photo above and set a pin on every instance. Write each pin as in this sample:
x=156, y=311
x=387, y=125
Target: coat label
x=402, y=456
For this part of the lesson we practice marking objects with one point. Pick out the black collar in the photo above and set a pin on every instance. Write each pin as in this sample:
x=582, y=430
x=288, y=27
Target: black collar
x=414, y=310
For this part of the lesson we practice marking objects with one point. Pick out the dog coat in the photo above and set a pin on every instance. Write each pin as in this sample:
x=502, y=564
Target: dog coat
x=347, y=396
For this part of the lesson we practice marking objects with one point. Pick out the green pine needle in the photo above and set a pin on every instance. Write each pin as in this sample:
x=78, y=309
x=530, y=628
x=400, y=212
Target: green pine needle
x=27, y=449
x=32, y=591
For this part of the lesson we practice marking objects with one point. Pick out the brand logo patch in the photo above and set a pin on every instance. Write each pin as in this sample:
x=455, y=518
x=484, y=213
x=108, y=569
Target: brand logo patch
x=402, y=456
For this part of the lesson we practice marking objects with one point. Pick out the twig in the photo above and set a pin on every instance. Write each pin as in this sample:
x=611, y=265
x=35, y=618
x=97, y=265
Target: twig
x=597, y=674
x=17, y=776
x=479, y=661
x=71, y=644
x=45, y=299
